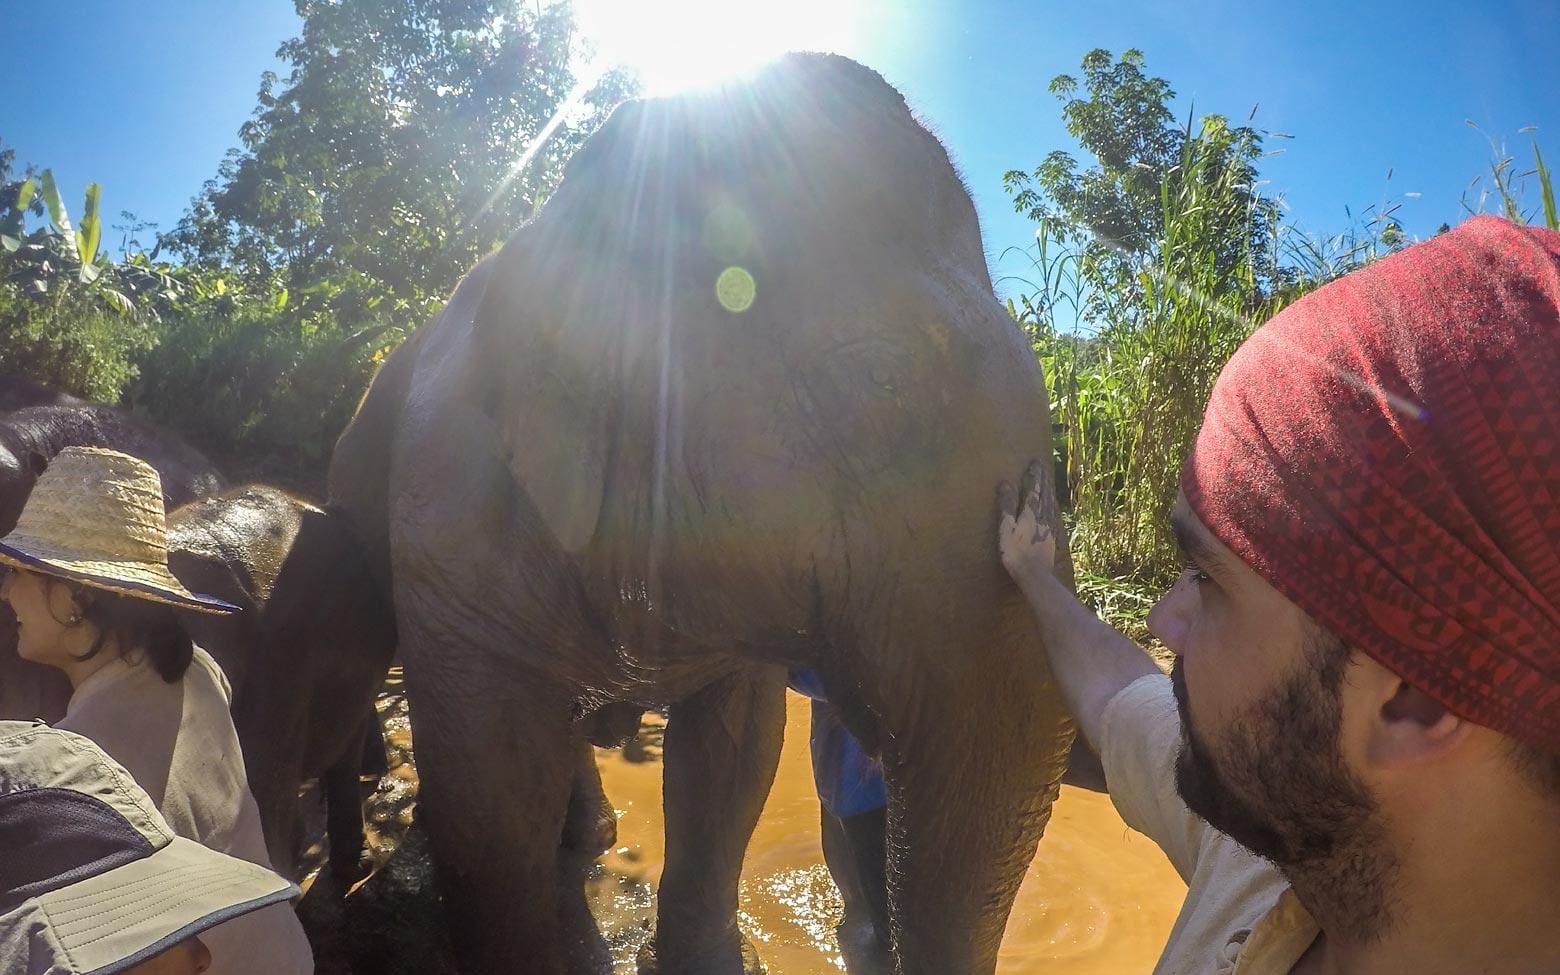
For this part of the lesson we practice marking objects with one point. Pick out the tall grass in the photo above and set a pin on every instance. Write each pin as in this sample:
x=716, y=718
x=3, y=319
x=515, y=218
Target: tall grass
x=1131, y=347
x=1132, y=344
x=1507, y=187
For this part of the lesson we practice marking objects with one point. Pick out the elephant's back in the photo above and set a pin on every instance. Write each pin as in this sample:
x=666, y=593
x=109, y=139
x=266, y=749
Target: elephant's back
x=185, y=472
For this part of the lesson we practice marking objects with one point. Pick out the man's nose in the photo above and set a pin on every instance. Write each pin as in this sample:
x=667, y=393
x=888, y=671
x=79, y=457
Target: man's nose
x=1168, y=621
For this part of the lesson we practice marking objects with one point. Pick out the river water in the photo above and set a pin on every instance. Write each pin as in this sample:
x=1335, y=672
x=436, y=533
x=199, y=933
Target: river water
x=1099, y=899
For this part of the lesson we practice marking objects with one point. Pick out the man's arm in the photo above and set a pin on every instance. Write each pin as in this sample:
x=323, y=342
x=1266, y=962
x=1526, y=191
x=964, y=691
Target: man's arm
x=1090, y=661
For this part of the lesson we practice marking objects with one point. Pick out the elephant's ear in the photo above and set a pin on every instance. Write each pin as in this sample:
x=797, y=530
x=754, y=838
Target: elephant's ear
x=550, y=380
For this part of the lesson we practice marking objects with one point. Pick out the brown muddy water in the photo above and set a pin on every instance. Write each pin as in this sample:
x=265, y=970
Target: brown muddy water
x=1099, y=898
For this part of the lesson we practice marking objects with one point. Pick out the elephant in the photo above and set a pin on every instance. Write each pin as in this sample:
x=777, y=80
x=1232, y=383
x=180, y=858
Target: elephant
x=305, y=657
x=17, y=392
x=29, y=439
x=735, y=400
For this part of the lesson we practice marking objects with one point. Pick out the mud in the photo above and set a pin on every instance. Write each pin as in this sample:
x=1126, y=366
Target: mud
x=1098, y=898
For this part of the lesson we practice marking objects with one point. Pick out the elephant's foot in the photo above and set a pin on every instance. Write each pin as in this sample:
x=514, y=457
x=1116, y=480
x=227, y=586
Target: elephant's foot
x=346, y=870
x=866, y=951
x=715, y=962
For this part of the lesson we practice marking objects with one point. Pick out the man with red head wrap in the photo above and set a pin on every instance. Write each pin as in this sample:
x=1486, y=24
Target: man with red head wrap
x=1355, y=762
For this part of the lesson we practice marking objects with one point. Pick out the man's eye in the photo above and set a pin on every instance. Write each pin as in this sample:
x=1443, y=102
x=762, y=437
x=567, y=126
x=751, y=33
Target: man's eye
x=1197, y=574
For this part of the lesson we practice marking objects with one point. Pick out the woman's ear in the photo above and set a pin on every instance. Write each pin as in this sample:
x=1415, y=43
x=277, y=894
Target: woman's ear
x=67, y=603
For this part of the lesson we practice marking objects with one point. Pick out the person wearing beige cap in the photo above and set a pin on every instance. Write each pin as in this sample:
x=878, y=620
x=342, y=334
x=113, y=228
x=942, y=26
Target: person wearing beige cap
x=87, y=576
x=93, y=880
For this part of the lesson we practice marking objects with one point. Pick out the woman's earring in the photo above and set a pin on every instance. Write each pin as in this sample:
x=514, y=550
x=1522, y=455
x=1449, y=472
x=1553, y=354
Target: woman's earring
x=74, y=619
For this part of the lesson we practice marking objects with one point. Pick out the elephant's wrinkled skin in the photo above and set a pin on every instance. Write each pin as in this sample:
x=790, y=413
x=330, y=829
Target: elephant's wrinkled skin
x=590, y=482
x=305, y=657
x=29, y=439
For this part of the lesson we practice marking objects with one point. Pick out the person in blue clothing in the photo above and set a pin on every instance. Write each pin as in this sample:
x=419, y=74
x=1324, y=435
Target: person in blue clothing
x=854, y=816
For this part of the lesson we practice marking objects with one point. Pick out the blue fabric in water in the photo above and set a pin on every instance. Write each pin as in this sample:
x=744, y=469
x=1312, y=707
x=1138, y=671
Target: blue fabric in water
x=849, y=781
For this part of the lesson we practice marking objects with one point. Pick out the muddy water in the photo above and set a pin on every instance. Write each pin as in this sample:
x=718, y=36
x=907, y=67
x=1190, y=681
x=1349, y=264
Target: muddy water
x=1099, y=898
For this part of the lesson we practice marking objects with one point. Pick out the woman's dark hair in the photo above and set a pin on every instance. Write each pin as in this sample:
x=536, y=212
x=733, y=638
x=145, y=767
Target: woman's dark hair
x=143, y=624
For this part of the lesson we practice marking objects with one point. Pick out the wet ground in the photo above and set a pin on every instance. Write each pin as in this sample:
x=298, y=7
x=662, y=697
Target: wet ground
x=1098, y=898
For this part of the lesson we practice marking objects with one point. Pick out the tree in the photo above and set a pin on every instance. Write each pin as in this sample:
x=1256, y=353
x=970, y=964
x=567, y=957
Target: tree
x=1117, y=207
x=70, y=315
x=385, y=163
x=408, y=139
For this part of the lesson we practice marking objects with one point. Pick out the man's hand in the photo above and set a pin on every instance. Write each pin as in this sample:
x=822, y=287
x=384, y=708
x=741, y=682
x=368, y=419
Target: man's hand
x=1026, y=537
x=1090, y=661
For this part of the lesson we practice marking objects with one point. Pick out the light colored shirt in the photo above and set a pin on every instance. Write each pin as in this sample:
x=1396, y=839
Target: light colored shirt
x=1240, y=916
x=178, y=742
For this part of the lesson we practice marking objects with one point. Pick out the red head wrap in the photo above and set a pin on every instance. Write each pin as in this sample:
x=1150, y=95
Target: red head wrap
x=1386, y=453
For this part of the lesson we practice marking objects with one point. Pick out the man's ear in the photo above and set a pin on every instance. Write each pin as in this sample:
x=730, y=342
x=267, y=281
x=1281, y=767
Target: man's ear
x=1411, y=727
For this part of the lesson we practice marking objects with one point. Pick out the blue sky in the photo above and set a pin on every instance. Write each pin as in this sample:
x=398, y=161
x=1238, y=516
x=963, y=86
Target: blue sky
x=146, y=98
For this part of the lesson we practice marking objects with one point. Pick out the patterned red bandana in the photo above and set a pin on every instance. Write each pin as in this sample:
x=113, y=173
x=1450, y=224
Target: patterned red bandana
x=1386, y=453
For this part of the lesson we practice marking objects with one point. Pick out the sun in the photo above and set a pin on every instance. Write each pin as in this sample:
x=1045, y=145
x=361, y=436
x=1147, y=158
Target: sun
x=679, y=44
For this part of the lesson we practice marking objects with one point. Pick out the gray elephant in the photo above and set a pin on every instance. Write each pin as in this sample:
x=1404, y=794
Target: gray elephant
x=305, y=657
x=18, y=392
x=30, y=437
x=736, y=400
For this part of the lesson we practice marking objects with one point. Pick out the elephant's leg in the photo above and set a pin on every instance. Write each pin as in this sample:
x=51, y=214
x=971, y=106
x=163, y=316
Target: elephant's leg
x=856, y=851
x=591, y=823
x=373, y=763
x=974, y=755
x=274, y=781
x=722, y=749
x=340, y=785
x=496, y=764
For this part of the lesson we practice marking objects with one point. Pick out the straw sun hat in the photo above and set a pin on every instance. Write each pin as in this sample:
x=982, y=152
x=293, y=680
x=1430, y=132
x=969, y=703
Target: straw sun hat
x=96, y=517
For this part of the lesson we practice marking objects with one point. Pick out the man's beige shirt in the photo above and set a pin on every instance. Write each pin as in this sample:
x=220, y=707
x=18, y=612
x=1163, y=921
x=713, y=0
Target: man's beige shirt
x=1240, y=917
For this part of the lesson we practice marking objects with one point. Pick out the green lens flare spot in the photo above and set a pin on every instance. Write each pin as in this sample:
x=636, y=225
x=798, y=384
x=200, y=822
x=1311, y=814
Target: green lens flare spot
x=735, y=290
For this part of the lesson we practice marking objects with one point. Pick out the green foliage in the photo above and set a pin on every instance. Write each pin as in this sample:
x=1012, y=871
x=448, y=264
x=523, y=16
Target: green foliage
x=388, y=156
x=69, y=315
x=1115, y=207
x=402, y=145
x=1546, y=190
x=1132, y=328
x=263, y=390
x=1509, y=188
x=67, y=339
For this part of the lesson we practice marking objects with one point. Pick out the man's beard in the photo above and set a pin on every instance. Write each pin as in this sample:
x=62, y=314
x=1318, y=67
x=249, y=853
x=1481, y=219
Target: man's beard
x=1275, y=782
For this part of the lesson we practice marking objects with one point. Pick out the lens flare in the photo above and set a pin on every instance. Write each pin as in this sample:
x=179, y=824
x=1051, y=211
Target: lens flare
x=735, y=290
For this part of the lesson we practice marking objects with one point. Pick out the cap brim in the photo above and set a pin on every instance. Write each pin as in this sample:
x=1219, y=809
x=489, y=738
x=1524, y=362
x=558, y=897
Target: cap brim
x=122, y=917
x=23, y=559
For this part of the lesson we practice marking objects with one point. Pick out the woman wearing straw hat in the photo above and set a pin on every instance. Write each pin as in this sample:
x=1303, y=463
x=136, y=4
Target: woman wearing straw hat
x=88, y=580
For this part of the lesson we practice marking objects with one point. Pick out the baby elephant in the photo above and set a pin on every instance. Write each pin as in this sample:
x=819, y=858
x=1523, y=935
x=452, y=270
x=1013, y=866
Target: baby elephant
x=305, y=658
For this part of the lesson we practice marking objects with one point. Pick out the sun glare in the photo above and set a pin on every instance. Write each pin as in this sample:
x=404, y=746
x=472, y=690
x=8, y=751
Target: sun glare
x=680, y=44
